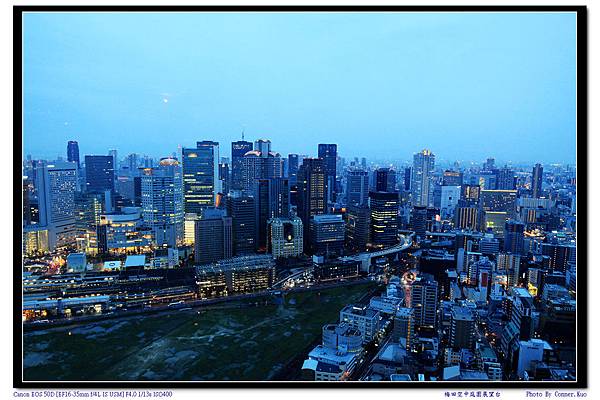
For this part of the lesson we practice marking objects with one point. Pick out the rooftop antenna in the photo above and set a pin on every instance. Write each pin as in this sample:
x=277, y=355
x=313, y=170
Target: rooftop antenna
x=243, y=129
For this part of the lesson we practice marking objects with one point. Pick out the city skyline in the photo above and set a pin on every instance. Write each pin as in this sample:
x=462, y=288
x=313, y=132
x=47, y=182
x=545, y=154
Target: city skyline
x=468, y=83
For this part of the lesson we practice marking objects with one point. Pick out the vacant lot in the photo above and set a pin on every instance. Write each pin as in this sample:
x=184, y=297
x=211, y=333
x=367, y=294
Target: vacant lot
x=249, y=343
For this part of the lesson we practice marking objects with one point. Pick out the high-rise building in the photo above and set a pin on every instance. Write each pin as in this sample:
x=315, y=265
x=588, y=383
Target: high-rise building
x=242, y=210
x=73, y=152
x=452, y=178
x=99, y=173
x=385, y=180
x=421, y=181
x=357, y=187
x=469, y=195
x=358, y=227
x=260, y=163
x=514, y=236
x=285, y=238
x=327, y=234
x=200, y=176
x=312, y=199
x=462, y=328
x=536, y=181
x=499, y=201
x=293, y=168
x=466, y=218
x=238, y=150
x=404, y=326
x=509, y=264
x=449, y=200
x=162, y=201
x=418, y=220
x=55, y=185
x=328, y=152
x=384, y=217
x=505, y=179
x=272, y=197
x=213, y=239
x=224, y=176
x=422, y=296
x=560, y=255
x=407, y=177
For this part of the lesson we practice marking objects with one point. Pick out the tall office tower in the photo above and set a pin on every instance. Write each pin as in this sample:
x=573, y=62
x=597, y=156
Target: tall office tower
x=510, y=264
x=384, y=217
x=357, y=187
x=224, y=176
x=113, y=154
x=162, y=202
x=462, y=328
x=363, y=162
x=489, y=164
x=407, y=176
x=449, y=200
x=466, y=218
x=452, y=178
x=536, y=180
x=214, y=147
x=560, y=255
x=404, y=326
x=499, y=201
x=358, y=227
x=505, y=179
x=328, y=152
x=418, y=220
x=422, y=296
x=514, y=236
x=213, y=238
x=238, y=150
x=260, y=163
x=285, y=238
x=293, y=169
x=73, y=152
x=421, y=181
x=241, y=209
x=272, y=197
x=312, y=198
x=327, y=234
x=26, y=201
x=385, y=180
x=99, y=174
x=55, y=185
x=199, y=177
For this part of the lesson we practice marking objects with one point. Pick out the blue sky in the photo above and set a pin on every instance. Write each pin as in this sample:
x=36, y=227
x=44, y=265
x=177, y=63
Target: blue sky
x=381, y=85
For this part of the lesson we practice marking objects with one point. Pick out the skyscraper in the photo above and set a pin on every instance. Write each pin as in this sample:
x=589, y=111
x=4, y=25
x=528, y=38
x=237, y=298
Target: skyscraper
x=327, y=234
x=272, y=201
x=73, y=152
x=99, y=173
x=199, y=177
x=536, y=180
x=505, y=179
x=213, y=237
x=238, y=149
x=384, y=217
x=462, y=328
x=328, y=152
x=421, y=295
x=162, y=202
x=357, y=227
x=312, y=199
x=293, y=168
x=357, y=187
x=241, y=209
x=421, y=182
x=55, y=184
x=385, y=180
x=514, y=236
x=260, y=163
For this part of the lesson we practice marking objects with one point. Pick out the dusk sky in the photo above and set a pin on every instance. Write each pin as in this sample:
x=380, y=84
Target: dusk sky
x=380, y=85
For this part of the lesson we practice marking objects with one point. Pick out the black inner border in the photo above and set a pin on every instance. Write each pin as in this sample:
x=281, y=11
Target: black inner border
x=582, y=157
